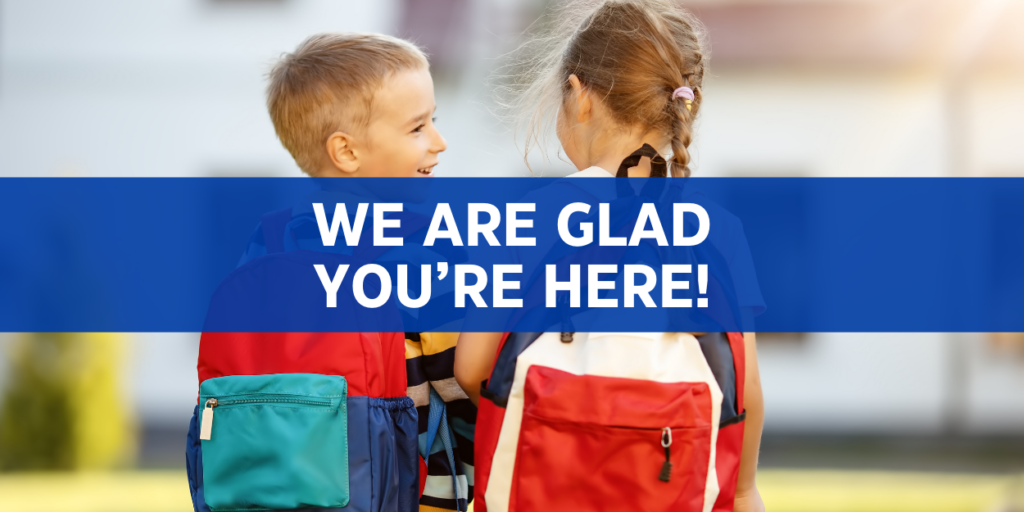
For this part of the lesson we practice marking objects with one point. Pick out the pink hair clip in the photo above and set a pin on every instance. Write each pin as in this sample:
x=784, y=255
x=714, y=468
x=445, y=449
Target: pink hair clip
x=686, y=93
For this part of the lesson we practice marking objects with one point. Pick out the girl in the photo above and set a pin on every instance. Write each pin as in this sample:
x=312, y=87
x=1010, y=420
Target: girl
x=628, y=75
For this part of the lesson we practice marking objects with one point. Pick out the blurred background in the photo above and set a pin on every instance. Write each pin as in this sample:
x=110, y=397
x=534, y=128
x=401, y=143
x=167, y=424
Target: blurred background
x=898, y=422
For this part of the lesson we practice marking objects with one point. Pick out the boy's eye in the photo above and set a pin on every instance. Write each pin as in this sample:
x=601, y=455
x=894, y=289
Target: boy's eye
x=422, y=126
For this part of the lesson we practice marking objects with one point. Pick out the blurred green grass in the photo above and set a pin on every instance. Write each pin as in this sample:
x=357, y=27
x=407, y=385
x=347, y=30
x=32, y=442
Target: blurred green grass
x=783, y=491
x=857, y=491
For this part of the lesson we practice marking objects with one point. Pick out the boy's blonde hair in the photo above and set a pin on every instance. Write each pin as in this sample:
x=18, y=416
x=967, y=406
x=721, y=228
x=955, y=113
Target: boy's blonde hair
x=327, y=85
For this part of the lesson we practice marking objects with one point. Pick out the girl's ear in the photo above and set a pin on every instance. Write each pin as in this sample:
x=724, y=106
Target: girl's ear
x=341, y=151
x=584, y=107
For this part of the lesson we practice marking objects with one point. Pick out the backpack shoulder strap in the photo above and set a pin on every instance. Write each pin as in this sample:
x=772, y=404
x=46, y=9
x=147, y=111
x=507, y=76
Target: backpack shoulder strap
x=499, y=386
x=273, y=225
x=739, y=361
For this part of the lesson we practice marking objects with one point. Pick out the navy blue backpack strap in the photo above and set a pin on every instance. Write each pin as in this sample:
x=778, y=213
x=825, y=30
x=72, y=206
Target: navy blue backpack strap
x=434, y=420
x=274, y=224
x=499, y=385
x=718, y=354
x=438, y=428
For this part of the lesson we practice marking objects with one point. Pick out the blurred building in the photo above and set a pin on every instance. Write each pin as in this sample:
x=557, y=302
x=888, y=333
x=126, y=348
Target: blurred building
x=796, y=88
x=872, y=88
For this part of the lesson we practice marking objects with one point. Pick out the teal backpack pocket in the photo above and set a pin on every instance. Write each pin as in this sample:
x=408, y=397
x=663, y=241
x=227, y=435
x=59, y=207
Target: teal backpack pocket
x=274, y=442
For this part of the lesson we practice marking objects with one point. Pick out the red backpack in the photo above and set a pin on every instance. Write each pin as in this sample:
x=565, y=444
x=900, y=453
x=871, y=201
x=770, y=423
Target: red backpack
x=602, y=421
x=379, y=438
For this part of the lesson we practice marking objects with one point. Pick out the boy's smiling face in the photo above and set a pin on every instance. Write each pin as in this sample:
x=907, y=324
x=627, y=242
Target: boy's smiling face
x=400, y=139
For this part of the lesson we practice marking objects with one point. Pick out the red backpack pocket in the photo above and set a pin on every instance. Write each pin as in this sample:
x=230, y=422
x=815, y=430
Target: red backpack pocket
x=599, y=443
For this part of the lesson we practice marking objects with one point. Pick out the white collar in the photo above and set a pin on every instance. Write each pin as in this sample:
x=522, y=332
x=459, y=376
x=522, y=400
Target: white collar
x=592, y=172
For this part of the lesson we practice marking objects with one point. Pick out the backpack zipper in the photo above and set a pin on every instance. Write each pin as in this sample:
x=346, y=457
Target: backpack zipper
x=206, y=429
x=666, y=443
x=322, y=402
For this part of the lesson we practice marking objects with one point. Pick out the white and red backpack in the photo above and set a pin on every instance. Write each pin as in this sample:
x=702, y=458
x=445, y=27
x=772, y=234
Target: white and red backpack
x=611, y=421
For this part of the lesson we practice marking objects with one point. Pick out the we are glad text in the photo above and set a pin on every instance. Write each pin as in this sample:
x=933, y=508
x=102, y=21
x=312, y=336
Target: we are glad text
x=633, y=282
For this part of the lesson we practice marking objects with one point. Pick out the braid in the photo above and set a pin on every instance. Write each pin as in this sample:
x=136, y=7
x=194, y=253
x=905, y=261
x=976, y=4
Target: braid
x=682, y=133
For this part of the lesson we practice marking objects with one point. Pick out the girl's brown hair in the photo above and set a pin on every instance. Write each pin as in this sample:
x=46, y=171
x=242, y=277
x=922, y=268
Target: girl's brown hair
x=632, y=54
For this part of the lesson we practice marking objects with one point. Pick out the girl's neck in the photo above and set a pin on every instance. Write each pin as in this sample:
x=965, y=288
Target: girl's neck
x=609, y=153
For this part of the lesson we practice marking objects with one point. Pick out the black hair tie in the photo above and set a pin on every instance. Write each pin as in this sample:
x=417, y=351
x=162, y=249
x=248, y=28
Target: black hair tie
x=659, y=167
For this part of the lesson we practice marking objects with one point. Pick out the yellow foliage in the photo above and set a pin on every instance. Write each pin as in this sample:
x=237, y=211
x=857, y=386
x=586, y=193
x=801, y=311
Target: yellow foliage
x=105, y=434
x=64, y=406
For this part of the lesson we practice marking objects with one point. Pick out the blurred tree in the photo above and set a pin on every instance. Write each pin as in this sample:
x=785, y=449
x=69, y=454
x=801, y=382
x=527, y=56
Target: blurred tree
x=36, y=418
x=63, y=407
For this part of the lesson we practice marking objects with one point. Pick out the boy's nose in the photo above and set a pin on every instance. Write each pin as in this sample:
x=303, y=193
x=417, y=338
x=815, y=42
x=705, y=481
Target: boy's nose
x=439, y=143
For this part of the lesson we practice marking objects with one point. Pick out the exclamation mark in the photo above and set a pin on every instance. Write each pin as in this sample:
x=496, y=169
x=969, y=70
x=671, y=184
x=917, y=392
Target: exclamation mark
x=702, y=285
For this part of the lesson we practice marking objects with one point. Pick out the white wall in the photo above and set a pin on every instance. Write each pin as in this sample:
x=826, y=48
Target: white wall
x=892, y=383
x=175, y=88
x=154, y=88
x=800, y=122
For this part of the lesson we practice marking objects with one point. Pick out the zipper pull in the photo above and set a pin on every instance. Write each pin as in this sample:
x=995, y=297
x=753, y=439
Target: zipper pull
x=567, y=329
x=666, y=442
x=206, y=428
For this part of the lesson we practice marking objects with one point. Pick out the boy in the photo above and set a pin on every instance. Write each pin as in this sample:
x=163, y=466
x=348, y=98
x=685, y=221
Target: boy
x=362, y=105
x=357, y=105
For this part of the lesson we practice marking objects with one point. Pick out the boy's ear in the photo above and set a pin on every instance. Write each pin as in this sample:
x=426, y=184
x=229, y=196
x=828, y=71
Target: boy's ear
x=342, y=152
x=584, y=107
